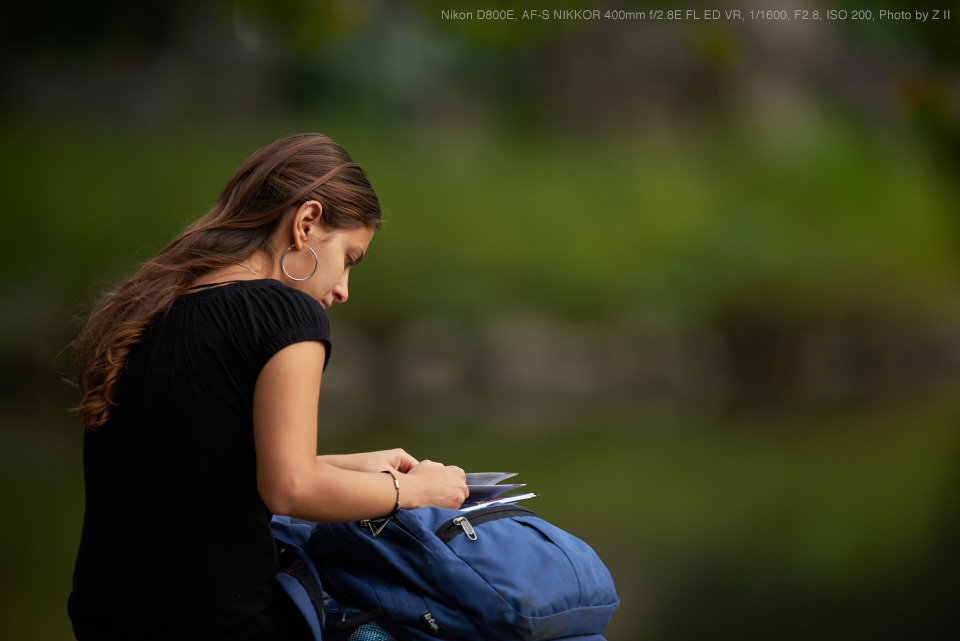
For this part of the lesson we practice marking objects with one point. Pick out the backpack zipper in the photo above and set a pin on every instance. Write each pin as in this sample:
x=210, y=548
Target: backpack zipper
x=467, y=528
x=463, y=525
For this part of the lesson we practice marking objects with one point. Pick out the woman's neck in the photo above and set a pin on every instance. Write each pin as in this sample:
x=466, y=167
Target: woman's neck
x=254, y=267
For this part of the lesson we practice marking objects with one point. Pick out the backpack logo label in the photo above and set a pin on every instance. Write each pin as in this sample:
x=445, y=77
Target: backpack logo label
x=430, y=624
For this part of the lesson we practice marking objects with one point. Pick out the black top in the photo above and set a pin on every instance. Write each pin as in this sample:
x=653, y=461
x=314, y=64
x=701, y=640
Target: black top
x=175, y=535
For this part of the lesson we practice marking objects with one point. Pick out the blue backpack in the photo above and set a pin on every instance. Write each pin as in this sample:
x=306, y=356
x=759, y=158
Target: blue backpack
x=498, y=573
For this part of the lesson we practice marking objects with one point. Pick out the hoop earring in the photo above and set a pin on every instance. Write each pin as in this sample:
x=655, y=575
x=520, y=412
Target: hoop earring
x=316, y=263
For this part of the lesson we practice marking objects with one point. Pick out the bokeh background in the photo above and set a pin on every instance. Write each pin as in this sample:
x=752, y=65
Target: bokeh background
x=695, y=280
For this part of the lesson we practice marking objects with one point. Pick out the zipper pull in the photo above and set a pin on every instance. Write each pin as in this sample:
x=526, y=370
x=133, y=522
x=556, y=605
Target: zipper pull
x=467, y=528
x=374, y=525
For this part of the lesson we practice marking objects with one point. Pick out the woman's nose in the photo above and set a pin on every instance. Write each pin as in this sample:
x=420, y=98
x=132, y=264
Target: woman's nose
x=340, y=292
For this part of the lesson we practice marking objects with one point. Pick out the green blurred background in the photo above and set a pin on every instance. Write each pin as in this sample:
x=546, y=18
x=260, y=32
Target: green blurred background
x=696, y=281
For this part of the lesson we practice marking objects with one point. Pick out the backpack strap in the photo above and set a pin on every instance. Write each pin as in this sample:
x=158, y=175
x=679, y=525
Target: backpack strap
x=293, y=565
x=297, y=575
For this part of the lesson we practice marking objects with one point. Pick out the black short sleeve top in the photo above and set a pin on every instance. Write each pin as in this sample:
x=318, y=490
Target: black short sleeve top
x=174, y=526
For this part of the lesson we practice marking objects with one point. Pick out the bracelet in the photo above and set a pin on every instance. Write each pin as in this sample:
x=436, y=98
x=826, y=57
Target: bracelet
x=396, y=484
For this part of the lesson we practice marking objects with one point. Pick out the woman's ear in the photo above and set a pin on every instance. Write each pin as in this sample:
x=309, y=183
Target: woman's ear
x=306, y=221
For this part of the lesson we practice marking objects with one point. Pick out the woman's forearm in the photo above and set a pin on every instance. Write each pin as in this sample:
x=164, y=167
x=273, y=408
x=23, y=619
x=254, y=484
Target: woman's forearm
x=323, y=492
x=331, y=493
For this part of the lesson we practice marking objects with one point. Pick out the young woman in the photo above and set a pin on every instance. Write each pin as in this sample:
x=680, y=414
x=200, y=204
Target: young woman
x=200, y=377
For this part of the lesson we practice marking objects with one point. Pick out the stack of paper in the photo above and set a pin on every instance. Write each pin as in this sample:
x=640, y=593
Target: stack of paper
x=486, y=487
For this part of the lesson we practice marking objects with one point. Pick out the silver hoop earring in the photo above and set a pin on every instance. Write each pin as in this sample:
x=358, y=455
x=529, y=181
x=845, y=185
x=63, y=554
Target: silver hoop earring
x=316, y=263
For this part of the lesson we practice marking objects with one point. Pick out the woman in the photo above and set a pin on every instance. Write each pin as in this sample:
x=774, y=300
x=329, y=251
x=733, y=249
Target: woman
x=200, y=377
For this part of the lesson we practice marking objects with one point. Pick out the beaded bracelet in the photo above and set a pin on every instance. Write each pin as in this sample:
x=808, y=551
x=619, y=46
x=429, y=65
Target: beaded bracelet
x=396, y=484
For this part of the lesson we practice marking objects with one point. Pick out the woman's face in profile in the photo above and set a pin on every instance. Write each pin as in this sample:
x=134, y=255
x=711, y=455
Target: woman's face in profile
x=337, y=251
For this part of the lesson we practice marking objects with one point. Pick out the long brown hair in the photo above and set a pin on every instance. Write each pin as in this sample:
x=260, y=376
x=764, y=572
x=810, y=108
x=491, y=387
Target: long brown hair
x=284, y=173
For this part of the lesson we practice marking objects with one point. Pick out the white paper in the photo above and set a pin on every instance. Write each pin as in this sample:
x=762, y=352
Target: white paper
x=485, y=492
x=513, y=498
x=488, y=478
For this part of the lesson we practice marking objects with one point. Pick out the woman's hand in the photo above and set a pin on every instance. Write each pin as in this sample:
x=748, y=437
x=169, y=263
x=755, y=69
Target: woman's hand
x=396, y=459
x=421, y=483
x=431, y=483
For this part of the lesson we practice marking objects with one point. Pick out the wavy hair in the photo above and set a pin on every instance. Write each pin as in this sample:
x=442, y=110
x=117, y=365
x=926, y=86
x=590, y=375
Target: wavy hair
x=284, y=173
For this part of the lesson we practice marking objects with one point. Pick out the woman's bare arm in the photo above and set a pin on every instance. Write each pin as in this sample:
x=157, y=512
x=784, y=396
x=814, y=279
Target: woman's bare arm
x=294, y=481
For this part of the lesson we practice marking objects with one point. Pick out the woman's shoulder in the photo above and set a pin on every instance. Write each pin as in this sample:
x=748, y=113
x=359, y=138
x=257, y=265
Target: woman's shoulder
x=260, y=316
x=261, y=300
